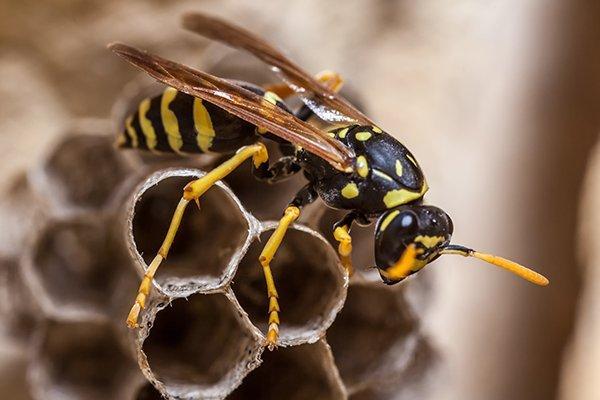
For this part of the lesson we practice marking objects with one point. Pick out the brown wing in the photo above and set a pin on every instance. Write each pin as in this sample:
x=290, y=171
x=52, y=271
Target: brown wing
x=326, y=103
x=242, y=103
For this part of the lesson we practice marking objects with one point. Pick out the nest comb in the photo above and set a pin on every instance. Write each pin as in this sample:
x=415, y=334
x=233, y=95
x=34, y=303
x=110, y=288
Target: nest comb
x=81, y=228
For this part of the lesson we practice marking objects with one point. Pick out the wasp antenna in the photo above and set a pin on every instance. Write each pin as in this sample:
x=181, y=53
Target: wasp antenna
x=515, y=268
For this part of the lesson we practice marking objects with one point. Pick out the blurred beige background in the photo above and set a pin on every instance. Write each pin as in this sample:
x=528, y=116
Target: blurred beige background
x=499, y=100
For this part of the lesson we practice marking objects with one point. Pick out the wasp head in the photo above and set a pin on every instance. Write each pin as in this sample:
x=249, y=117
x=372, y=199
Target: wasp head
x=408, y=238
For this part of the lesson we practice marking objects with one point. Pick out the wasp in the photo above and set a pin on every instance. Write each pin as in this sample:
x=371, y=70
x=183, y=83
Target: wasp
x=354, y=166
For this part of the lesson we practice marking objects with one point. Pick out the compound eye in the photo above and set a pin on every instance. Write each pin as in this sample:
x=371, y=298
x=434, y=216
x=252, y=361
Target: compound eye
x=408, y=222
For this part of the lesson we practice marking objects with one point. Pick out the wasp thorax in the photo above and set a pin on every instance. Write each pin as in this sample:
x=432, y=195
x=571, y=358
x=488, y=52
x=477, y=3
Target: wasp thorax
x=425, y=229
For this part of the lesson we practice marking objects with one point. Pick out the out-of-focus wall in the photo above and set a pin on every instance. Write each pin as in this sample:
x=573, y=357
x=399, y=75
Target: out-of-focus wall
x=497, y=99
x=582, y=366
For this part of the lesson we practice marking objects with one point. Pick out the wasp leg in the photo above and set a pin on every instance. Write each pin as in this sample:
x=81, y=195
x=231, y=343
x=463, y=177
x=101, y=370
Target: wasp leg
x=280, y=170
x=305, y=196
x=331, y=79
x=192, y=191
x=341, y=233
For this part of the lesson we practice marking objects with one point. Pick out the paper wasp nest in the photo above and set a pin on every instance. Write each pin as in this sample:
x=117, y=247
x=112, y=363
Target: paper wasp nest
x=90, y=218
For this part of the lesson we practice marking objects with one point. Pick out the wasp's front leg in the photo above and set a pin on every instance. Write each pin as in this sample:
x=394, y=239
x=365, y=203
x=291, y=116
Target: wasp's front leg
x=341, y=233
x=192, y=192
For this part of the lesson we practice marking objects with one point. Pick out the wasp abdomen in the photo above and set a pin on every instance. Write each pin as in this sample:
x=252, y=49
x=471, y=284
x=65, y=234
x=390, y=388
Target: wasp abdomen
x=177, y=122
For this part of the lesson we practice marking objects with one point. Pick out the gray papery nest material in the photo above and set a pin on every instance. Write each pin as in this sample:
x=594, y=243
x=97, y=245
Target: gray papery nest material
x=82, y=226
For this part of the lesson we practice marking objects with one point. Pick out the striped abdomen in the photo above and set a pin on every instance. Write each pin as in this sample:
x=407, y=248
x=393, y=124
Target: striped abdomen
x=177, y=122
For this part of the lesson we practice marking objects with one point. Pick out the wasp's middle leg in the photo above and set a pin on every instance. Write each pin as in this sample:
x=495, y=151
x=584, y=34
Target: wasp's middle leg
x=304, y=197
x=192, y=191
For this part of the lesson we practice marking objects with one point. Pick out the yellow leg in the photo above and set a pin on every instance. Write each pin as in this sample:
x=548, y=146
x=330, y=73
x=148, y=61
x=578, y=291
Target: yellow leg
x=192, y=191
x=342, y=235
x=290, y=215
x=330, y=79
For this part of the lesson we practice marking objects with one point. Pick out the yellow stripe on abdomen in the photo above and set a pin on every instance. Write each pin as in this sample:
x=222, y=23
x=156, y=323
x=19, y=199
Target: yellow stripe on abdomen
x=203, y=125
x=131, y=132
x=146, y=124
x=169, y=120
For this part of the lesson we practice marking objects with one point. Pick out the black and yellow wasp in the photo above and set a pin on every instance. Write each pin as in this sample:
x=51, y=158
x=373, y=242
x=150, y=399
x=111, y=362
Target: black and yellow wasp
x=356, y=166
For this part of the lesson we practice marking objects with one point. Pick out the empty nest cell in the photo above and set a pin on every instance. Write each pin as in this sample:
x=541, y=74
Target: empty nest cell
x=203, y=255
x=375, y=336
x=199, y=348
x=82, y=171
x=80, y=360
x=310, y=282
x=305, y=372
x=75, y=265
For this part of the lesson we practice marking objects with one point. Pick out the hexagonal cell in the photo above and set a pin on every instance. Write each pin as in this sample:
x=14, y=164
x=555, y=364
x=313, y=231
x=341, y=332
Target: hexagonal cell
x=310, y=282
x=414, y=382
x=83, y=170
x=209, y=242
x=375, y=336
x=18, y=313
x=80, y=360
x=199, y=347
x=300, y=372
x=75, y=266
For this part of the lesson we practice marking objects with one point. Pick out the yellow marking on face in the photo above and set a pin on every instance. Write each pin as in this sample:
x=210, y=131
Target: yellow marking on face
x=203, y=125
x=412, y=159
x=394, y=198
x=146, y=124
x=388, y=220
x=169, y=119
x=131, y=132
x=382, y=175
x=429, y=241
x=398, y=168
x=342, y=133
x=350, y=191
x=331, y=135
x=363, y=136
x=272, y=98
x=362, y=166
x=376, y=129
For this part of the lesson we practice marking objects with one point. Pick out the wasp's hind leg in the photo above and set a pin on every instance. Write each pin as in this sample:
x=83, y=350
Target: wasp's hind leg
x=304, y=197
x=192, y=191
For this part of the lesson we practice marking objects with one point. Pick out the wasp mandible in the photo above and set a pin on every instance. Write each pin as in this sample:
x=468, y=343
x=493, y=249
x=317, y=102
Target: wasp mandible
x=355, y=166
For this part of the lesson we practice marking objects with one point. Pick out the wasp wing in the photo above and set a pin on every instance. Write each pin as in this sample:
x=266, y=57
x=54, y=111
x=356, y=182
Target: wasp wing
x=240, y=102
x=324, y=102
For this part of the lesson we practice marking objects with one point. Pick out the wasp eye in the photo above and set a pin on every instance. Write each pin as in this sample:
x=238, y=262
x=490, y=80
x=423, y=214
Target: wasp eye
x=408, y=222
